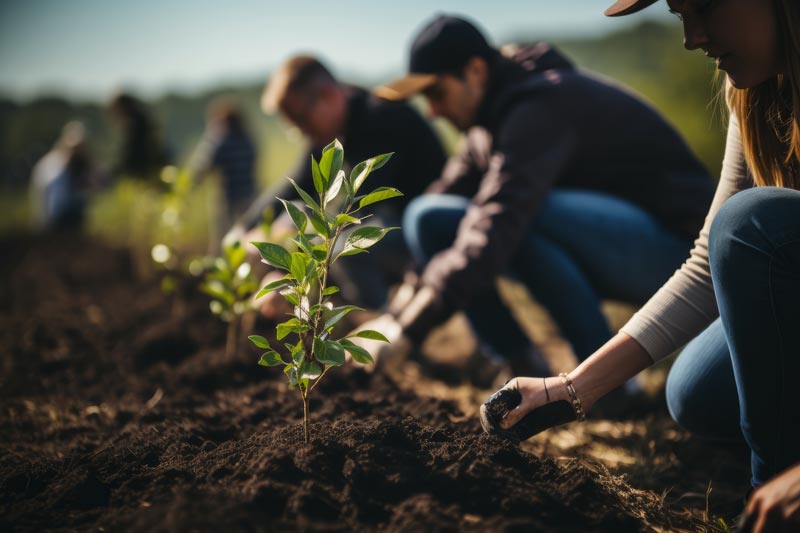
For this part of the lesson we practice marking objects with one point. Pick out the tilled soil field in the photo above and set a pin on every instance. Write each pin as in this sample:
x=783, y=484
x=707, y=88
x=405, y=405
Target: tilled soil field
x=119, y=413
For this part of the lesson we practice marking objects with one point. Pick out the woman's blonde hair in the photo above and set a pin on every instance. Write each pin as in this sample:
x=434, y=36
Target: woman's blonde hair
x=768, y=113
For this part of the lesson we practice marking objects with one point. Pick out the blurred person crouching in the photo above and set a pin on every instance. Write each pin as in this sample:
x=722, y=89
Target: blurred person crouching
x=550, y=187
x=308, y=96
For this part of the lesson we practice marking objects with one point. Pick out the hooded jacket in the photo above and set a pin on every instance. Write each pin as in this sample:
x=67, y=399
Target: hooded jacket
x=544, y=124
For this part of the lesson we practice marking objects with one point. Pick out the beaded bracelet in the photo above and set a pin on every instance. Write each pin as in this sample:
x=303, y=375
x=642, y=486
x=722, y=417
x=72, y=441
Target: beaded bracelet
x=573, y=397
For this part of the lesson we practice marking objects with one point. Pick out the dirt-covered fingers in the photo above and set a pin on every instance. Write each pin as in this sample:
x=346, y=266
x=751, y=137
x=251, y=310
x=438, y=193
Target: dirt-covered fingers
x=529, y=389
x=534, y=393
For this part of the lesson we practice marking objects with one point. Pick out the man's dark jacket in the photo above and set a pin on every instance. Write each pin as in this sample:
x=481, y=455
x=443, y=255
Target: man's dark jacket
x=373, y=127
x=544, y=125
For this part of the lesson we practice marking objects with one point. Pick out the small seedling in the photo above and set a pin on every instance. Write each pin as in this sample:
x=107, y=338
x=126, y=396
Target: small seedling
x=230, y=283
x=305, y=286
x=167, y=254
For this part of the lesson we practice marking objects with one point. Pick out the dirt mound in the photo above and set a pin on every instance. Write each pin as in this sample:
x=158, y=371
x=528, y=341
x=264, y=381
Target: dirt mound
x=117, y=414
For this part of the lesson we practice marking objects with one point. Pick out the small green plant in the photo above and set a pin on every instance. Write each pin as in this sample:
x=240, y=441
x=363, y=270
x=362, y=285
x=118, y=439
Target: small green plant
x=305, y=286
x=169, y=252
x=230, y=283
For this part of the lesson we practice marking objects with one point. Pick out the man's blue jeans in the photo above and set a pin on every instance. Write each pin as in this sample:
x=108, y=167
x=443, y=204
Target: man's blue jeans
x=739, y=378
x=582, y=247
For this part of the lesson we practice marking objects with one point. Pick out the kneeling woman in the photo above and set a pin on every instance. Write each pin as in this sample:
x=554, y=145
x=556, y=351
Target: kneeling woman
x=736, y=300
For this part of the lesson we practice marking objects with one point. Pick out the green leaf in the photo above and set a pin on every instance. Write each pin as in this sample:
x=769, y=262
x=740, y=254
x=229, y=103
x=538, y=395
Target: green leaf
x=298, y=266
x=358, y=353
x=348, y=187
x=338, y=314
x=297, y=216
x=274, y=254
x=319, y=181
x=333, y=355
x=344, y=218
x=336, y=186
x=225, y=276
x=217, y=290
x=370, y=334
x=311, y=270
x=291, y=297
x=302, y=242
x=365, y=168
x=331, y=161
x=333, y=289
x=319, y=224
x=296, y=348
x=319, y=348
x=291, y=373
x=260, y=341
x=246, y=289
x=293, y=325
x=378, y=195
x=235, y=254
x=319, y=252
x=316, y=308
x=299, y=356
x=363, y=238
x=271, y=358
x=309, y=370
x=309, y=201
x=272, y=286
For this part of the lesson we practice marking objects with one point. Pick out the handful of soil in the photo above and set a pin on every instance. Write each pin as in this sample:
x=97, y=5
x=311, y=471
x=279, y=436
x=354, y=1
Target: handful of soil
x=545, y=417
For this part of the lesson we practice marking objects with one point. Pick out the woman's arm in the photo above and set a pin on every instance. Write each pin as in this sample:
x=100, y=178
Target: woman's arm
x=613, y=364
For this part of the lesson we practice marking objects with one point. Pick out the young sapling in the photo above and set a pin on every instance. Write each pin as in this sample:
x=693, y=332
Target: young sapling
x=323, y=223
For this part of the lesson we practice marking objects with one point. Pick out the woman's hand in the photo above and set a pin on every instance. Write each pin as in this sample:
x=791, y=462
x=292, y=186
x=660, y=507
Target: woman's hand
x=535, y=392
x=775, y=506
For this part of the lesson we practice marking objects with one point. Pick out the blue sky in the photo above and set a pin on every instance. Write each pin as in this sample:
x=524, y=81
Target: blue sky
x=87, y=48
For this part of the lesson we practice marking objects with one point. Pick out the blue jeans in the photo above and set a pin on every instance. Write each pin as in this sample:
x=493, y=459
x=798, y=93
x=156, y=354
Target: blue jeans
x=739, y=378
x=582, y=246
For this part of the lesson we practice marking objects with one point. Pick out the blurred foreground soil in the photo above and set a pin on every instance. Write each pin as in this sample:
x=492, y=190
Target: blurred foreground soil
x=119, y=411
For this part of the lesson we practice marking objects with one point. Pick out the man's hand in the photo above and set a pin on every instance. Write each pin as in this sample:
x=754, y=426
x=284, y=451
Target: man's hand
x=775, y=506
x=386, y=355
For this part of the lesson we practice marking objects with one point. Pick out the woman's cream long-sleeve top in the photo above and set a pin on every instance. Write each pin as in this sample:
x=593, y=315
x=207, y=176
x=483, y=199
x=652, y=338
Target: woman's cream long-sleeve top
x=686, y=304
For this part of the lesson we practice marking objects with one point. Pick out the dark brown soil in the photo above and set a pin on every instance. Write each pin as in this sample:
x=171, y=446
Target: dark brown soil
x=117, y=415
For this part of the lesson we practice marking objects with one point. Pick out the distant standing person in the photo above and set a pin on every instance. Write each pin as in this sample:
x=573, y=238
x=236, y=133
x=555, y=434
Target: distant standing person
x=141, y=154
x=228, y=149
x=61, y=180
x=305, y=92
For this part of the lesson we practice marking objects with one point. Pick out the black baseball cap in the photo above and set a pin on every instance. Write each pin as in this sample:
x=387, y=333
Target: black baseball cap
x=444, y=45
x=626, y=7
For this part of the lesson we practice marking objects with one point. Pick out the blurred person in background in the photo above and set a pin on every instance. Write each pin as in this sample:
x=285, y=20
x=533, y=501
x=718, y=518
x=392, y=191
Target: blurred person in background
x=141, y=154
x=550, y=186
x=309, y=97
x=736, y=299
x=227, y=149
x=61, y=180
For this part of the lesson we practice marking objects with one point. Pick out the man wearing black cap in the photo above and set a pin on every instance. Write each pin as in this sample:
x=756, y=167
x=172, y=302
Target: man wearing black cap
x=568, y=182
